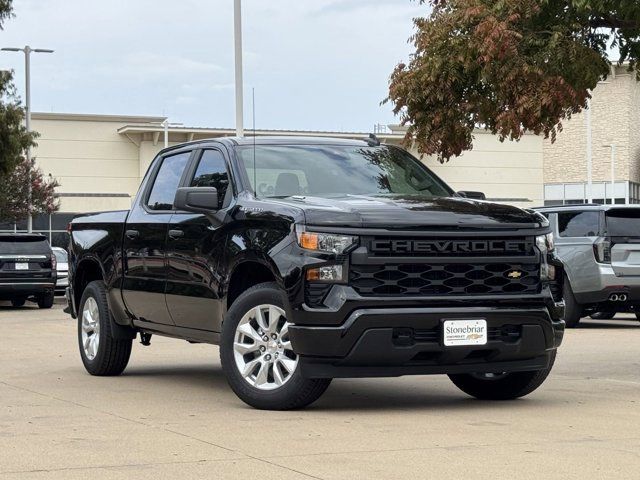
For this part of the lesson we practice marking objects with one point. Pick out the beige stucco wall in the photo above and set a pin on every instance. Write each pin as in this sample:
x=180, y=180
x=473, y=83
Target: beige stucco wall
x=615, y=116
x=102, y=168
x=87, y=156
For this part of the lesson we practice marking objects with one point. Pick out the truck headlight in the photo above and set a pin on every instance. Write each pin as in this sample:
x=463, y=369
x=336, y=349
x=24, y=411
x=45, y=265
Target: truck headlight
x=545, y=243
x=326, y=242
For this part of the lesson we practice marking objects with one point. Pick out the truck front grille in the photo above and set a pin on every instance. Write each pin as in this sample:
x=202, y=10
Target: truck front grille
x=452, y=247
x=445, y=279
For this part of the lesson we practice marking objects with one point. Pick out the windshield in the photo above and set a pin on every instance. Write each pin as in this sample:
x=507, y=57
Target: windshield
x=330, y=171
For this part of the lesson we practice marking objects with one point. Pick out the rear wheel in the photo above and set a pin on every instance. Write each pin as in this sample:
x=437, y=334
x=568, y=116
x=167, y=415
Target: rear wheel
x=18, y=302
x=572, y=309
x=46, y=300
x=603, y=315
x=257, y=357
x=501, y=386
x=101, y=354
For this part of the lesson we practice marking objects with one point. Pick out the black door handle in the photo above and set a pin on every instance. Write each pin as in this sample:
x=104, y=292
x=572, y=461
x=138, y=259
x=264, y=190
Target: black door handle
x=175, y=234
x=131, y=234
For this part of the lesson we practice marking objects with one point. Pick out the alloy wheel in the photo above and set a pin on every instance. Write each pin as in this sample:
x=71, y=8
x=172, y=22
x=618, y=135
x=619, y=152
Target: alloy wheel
x=262, y=348
x=90, y=328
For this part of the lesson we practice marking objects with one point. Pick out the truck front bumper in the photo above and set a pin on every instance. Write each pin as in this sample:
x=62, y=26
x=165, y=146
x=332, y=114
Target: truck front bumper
x=378, y=341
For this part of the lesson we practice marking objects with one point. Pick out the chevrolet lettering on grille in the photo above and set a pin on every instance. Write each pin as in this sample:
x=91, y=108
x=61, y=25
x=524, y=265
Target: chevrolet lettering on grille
x=509, y=247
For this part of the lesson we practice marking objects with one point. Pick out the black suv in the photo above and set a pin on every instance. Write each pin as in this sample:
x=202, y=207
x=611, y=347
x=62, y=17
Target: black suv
x=309, y=259
x=27, y=269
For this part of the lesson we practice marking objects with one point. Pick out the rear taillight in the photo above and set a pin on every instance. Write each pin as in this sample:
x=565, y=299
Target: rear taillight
x=54, y=262
x=602, y=250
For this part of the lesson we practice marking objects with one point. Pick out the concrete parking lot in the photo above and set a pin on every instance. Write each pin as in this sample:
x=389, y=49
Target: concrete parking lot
x=171, y=415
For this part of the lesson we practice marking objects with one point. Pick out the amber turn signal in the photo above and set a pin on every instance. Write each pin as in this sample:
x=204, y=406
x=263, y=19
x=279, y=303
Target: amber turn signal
x=309, y=240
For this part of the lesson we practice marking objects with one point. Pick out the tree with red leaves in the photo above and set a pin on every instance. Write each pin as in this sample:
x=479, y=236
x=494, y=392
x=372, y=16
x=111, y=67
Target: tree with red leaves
x=14, y=194
x=508, y=66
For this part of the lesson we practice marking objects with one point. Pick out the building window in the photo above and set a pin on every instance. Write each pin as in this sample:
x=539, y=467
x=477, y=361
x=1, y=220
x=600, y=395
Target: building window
x=54, y=227
x=576, y=193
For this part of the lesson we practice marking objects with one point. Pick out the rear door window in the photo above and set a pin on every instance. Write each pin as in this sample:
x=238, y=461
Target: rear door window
x=166, y=182
x=579, y=224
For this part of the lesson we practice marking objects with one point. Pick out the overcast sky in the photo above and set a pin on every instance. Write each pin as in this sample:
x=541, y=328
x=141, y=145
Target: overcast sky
x=321, y=64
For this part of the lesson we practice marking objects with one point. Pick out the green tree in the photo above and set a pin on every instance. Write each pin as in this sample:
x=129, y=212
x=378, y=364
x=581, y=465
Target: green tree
x=508, y=66
x=16, y=172
x=14, y=138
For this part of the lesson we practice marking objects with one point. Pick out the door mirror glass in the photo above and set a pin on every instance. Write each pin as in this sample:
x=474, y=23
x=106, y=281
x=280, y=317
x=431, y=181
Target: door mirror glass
x=472, y=195
x=197, y=199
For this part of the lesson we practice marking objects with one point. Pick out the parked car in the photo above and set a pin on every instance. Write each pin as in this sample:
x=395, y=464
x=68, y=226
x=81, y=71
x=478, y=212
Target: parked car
x=27, y=269
x=600, y=247
x=62, y=270
x=309, y=259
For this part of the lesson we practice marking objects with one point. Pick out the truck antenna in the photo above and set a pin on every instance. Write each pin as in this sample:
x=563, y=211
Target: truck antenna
x=253, y=101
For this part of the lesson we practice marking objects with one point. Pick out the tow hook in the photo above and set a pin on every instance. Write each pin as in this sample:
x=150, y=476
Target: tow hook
x=145, y=338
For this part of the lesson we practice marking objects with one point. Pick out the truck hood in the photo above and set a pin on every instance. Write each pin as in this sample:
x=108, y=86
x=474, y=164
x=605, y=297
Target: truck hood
x=412, y=212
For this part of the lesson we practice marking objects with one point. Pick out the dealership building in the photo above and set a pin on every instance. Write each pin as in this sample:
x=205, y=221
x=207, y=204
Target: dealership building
x=99, y=160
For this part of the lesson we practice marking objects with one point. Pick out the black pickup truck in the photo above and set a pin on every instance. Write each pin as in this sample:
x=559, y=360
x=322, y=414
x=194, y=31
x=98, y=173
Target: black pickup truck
x=310, y=259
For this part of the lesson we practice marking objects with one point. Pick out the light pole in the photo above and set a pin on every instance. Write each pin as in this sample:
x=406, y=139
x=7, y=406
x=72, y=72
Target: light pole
x=613, y=172
x=589, y=153
x=165, y=124
x=165, y=128
x=27, y=50
x=237, y=23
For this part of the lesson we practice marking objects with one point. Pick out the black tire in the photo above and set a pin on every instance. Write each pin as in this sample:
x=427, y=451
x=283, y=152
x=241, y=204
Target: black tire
x=508, y=386
x=18, y=302
x=297, y=391
x=572, y=309
x=46, y=300
x=603, y=315
x=638, y=316
x=112, y=355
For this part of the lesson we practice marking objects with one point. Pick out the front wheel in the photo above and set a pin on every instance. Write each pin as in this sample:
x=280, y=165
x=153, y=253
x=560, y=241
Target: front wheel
x=502, y=386
x=101, y=354
x=257, y=357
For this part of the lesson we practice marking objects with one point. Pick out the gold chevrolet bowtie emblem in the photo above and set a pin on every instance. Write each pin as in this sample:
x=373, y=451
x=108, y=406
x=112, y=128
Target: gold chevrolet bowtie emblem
x=515, y=274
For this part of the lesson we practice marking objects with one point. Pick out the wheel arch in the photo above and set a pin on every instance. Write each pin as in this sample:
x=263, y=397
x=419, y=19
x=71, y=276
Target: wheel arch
x=247, y=273
x=88, y=270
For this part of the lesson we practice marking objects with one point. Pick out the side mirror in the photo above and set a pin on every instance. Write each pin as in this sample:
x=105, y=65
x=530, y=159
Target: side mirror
x=197, y=199
x=472, y=195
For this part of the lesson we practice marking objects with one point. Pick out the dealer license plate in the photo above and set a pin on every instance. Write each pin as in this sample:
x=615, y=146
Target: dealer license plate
x=22, y=266
x=464, y=332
